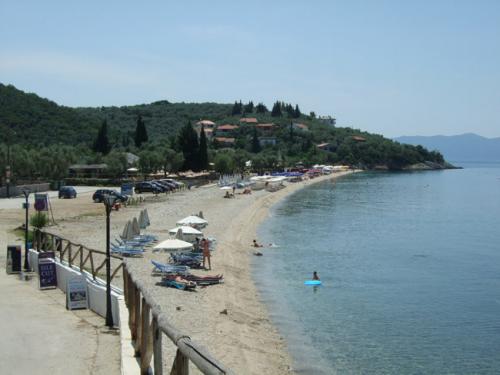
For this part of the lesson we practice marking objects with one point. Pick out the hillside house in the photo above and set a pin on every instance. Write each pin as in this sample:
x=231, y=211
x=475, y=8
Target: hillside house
x=328, y=120
x=249, y=120
x=326, y=146
x=358, y=138
x=267, y=141
x=225, y=141
x=266, y=128
x=206, y=123
x=226, y=129
x=208, y=132
x=87, y=170
x=300, y=127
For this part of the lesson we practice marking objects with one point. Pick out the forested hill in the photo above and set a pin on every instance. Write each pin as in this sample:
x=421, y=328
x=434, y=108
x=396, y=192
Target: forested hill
x=36, y=120
x=283, y=137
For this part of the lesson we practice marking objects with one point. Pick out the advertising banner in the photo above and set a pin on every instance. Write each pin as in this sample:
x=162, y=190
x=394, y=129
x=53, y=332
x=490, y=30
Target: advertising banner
x=47, y=270
x=41, y=202
x=76, y=294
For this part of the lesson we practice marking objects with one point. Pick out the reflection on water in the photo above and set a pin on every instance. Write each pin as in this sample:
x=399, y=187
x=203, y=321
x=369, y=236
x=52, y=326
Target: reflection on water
x=410, y=266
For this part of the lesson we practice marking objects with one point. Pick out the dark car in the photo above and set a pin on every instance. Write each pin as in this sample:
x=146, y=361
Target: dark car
x=170, y=184
x=99, y=195
x=146, y=187
x=67, y=192
x=165, y=185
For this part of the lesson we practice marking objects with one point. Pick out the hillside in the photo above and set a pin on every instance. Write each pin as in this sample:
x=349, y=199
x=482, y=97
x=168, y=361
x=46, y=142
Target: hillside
x=465, y=147
x=274, y=138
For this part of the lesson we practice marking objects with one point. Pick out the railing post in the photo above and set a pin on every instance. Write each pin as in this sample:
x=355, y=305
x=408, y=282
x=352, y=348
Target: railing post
x=69, y=254
x=81, y=258
x=146, y=338
x=132, y=310
x=181, y=364
x=157, y=356
x=137, y=322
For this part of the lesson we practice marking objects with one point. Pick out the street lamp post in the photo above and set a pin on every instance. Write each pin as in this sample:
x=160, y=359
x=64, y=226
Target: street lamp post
x=109, y=201
x=26, y=207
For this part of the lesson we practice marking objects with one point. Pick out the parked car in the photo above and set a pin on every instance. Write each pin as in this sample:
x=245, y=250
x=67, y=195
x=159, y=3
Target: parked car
x=98, y=196
x=146, y=187
x=170, y=184
x=165, y=185
x=67, y=192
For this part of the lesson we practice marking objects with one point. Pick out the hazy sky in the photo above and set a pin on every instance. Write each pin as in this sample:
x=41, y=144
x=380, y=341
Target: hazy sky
x=390, y=67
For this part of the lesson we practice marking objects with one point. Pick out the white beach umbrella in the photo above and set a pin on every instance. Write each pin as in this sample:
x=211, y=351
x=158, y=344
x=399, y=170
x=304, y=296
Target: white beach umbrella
x=186, y=230
x=193, y=220
x=173, y=245
x=135, y=227
x=130, y=231
x=226, y=188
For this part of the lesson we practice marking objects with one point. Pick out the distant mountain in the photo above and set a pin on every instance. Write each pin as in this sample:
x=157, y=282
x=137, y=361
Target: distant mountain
x=464, y=147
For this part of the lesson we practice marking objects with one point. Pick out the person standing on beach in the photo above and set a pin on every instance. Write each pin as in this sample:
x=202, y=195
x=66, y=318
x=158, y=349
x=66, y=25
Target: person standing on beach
x=206, y=252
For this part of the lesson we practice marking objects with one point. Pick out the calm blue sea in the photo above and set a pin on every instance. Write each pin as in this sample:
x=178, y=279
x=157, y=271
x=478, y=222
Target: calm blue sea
x=410, y=265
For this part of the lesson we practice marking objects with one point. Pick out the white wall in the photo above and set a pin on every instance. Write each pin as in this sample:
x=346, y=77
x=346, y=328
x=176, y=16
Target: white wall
x=96, y=290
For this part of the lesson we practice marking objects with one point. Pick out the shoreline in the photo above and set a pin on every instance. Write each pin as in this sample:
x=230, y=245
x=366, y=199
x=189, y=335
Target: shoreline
x=244, y=339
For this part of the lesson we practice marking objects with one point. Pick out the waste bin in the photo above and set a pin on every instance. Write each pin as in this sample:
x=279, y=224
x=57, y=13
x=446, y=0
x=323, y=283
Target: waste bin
x=13, y=264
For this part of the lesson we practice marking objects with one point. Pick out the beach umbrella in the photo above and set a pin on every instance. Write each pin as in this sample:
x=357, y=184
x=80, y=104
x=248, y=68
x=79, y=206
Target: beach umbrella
x=142, y=222
x=195, y=221
x=135, y=227
x=130, y=231
x=173, y=245
x=180, y=235
x=186, y=230
x=125, y=230
x=226, y=188
x=146, y=217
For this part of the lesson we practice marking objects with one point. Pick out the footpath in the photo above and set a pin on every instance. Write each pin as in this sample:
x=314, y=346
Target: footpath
x=39, y=336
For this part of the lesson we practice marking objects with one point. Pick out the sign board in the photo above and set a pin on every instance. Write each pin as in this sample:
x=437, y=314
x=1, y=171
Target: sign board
x=13, y=263
x=47, y=270
x=41, y=202
x=127, y=189
x=76, y=294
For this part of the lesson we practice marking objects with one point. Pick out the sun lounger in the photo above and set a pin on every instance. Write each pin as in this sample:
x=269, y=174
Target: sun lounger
x=169, y=268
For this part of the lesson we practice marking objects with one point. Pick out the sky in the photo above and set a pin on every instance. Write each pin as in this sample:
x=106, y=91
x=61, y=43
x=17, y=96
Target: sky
x=388, y=67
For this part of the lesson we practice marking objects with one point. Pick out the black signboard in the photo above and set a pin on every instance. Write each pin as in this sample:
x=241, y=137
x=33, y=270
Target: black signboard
x=47, y=270
x=13, y=264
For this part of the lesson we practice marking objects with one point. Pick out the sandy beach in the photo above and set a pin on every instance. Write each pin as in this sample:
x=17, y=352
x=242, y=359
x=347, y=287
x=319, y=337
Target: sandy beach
x=244, y=339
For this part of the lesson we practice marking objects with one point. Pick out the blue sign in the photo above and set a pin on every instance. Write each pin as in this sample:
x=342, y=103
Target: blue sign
x=47, y=270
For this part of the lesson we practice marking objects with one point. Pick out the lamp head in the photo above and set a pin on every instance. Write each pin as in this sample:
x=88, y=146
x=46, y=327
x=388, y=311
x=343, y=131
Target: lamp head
x=109, y=200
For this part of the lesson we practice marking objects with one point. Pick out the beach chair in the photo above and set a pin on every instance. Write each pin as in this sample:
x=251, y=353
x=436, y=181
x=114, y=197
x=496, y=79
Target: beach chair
x=169, y=268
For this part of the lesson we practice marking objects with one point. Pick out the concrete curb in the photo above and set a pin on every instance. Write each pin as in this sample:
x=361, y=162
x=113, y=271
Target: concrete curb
x=129, y=364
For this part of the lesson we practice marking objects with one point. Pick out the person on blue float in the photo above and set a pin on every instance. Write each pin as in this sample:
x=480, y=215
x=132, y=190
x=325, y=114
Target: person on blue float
x=315, y=276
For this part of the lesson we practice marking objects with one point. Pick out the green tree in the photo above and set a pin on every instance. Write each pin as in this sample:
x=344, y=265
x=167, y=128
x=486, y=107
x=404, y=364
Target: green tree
x=101, y=143
x=203, y=151
x=141, y=134
x=237, y=108
x=248, y=107
x=296, y=112
x=255, y=141
x=223, y=163
x=117, y=163
x=276, y=111
x=188, y=143
x=261, y=108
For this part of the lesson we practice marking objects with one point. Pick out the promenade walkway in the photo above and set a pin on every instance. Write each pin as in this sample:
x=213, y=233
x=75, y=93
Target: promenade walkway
x=39, y=336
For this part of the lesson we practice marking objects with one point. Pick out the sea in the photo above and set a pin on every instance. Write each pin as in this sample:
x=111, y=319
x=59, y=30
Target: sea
x=410, y=271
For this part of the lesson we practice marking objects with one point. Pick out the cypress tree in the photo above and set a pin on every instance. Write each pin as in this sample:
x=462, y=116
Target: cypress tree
x=249, y=107
x=261, y=108
x=188, y=143
x=236, y=109
x=203, y=151
x=255, y=142
x=101, y=143
x=296, y=113
x=141, y=134
x=276, y=111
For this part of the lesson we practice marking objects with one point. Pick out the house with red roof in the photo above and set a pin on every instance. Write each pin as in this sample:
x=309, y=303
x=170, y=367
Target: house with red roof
x=226, y=129
x=249, y=120
x=225, y=141
x=266, y=128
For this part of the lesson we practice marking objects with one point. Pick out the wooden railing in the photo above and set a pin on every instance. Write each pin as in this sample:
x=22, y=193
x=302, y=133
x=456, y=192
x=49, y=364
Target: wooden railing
x=74, y=254
x=148, y=324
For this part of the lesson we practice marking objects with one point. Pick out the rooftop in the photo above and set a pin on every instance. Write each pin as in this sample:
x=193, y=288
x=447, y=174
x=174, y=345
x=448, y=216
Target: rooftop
x=249, y=120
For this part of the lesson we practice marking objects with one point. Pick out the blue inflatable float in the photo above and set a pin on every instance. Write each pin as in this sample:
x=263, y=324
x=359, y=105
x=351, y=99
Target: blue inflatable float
x=312, y=282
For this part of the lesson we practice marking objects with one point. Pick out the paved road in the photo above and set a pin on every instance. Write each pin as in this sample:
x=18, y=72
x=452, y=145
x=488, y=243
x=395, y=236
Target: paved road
x=39, y=336
x=18, y=202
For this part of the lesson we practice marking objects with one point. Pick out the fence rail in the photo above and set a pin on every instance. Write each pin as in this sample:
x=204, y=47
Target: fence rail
x=148, y=324
x=74, y=254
